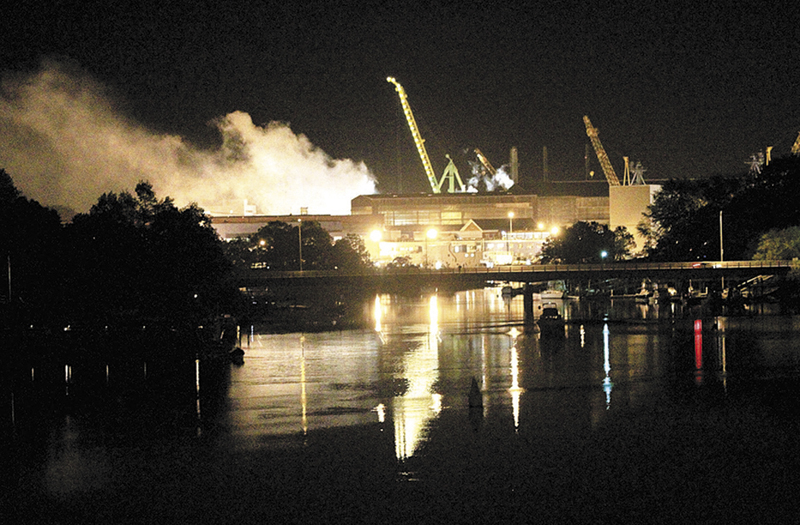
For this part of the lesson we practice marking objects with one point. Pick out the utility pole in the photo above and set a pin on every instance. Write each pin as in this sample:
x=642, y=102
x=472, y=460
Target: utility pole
x=300, y=244
x=721, y=250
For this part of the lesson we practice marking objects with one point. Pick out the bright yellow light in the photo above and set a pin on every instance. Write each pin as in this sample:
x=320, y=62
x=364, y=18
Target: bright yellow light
x=555, y=230
x=434, y=314
x=540, y=226
x=432, y=233
x=375, y=235
x=511, y=215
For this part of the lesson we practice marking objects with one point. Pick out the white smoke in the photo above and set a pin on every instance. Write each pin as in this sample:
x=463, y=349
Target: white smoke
x=63, y=143
x=482, y=180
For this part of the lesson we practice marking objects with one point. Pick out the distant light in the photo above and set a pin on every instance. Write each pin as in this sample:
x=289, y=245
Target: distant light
x=604, y=254
x=432, y=233
x=375, y=235
x=555, y=230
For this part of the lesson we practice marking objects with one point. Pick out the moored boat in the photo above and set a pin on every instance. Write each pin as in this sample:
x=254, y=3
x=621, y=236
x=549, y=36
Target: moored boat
x=550, y=321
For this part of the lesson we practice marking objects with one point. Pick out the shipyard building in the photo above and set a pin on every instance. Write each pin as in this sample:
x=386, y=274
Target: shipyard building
x=467, y=229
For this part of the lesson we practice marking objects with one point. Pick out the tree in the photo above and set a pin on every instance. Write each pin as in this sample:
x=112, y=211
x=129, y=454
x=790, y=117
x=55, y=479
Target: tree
x=684, y=219
x=30, y=247
x=682, y=210
x=779, y=245
x=136, y=256
x=276, y=246
x=350, y=253
x=588, y=242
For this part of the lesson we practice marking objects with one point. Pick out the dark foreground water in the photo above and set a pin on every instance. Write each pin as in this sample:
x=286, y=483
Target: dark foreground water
x=647, y=416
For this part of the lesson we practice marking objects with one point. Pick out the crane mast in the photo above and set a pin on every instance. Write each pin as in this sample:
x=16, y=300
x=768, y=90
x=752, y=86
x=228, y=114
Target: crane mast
x=608, y=169
x=418, y=141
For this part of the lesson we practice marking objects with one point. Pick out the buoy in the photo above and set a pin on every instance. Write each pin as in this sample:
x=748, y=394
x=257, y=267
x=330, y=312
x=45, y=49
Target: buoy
x=475, y=397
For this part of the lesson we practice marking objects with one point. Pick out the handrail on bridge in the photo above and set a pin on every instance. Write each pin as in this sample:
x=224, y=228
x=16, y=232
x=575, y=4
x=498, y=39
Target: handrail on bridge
x=533, y=269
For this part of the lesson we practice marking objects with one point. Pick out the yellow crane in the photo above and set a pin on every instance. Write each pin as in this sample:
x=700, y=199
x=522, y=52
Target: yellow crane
x=796, y=147
x=450, y=173
x=485, y=162
x=608, y=169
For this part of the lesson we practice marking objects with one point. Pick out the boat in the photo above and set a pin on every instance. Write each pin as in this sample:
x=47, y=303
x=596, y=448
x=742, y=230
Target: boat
x=550, y=321
x=236, y=356
x=552, y=294
x=554, y=290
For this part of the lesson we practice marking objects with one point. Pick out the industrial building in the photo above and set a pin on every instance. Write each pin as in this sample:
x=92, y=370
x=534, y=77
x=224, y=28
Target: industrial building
x=456, y=226
x=471, y=229
x=464, y=229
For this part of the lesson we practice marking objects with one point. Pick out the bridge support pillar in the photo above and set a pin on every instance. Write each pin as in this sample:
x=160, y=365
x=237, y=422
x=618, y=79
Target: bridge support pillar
x=527, y=302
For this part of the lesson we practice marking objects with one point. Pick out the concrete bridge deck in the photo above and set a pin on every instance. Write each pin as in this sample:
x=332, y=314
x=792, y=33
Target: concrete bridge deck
x=477, y=277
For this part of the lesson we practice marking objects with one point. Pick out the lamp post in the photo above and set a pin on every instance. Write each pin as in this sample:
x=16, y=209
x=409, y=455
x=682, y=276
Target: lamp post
x=300, y=241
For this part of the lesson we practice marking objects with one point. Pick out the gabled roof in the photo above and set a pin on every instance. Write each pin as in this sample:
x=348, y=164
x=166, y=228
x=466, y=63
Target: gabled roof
x=470, y=226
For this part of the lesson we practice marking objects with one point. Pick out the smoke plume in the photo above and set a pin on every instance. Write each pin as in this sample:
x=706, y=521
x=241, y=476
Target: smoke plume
x=64, y=143
x=481, y=180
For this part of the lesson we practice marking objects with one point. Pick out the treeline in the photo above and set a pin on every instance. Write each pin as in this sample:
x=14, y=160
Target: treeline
x=752, y=216
x=759, y=215
x=135, y=257
x=281, y=246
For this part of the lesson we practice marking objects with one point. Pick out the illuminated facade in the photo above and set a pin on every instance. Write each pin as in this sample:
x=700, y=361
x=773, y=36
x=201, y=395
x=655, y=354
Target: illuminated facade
x=472, y=229
x=466, y=229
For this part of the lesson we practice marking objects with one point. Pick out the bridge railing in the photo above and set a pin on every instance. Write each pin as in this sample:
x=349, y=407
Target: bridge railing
x=768, y=266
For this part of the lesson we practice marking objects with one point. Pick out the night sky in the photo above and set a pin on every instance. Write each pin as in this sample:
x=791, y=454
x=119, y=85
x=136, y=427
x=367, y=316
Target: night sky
x=690, y=89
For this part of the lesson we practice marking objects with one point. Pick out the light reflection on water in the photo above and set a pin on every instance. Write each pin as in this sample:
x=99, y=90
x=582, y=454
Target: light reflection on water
x=418, y=361
x=408, y=378
x=423, y=352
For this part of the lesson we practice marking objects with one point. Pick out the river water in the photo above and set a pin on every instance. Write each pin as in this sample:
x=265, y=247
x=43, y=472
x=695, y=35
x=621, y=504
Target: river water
x=635, y=413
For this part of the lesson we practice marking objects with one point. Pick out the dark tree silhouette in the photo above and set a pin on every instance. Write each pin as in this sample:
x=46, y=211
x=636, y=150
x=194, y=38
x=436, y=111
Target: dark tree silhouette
x=587, y=242
x=138, y=257
x=685, y=217
x=276, y=246
x=31, y=251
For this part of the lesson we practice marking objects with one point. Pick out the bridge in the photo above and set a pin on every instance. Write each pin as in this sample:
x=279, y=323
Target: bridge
x=465, y=278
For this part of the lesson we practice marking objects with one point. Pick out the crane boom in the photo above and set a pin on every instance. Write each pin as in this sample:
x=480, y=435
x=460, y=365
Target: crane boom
x=485, y=162
x=608, y=169
x=418, y=141
x=796, y=146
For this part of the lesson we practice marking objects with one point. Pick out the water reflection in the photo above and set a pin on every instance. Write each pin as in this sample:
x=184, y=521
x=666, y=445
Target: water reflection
x=405, y=381
x=419, y=403
x=515, y=390
x=698, y=351
x=607, y=384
